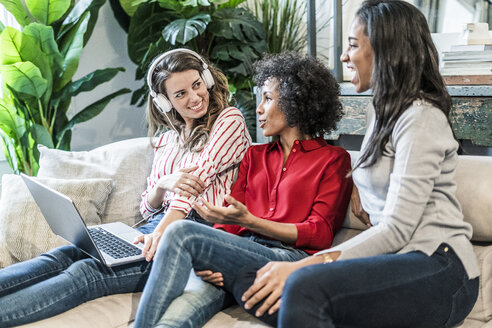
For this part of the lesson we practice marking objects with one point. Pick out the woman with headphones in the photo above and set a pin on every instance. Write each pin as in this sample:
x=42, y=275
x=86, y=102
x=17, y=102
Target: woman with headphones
x=199, y=142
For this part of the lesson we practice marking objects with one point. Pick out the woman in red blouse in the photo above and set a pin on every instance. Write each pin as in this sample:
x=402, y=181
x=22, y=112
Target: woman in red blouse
x=290, y=197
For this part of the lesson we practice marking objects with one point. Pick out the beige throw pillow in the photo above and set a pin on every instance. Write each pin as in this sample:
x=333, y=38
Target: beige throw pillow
x=127, y=163
x=24, y=233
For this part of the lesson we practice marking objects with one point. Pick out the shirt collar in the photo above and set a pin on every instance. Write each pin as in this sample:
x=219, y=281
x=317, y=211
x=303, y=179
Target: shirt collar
x=306, y=145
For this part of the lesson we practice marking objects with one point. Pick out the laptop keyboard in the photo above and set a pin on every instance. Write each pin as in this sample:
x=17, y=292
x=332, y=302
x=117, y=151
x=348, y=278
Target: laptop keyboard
x=112, y=245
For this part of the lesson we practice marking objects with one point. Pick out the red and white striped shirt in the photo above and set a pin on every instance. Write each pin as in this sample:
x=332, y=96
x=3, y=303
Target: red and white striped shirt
x=218, y=162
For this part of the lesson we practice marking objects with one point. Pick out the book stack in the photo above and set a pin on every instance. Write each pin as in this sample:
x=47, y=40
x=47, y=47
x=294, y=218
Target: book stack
x=467, y=64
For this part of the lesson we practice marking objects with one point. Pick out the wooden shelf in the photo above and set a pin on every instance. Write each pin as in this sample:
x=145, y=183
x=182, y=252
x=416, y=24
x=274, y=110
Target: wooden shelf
x=471, y=115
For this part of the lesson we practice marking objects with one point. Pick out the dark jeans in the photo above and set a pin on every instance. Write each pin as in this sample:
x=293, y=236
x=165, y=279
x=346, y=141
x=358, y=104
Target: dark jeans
x=394, y=290
x=64, y=278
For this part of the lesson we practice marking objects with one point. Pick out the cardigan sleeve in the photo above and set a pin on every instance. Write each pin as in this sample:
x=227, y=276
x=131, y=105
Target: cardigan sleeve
x=421, y=138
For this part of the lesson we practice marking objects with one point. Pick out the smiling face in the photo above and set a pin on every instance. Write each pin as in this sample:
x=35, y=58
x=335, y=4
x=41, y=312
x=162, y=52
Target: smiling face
x=188, y=95
x=359, y=56
x=272, y=120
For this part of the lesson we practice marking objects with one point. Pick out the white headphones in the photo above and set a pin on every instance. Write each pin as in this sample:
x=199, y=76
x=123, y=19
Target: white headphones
x=160, y=100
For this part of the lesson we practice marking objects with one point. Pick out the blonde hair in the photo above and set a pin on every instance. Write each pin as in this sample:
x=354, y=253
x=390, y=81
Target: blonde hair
x=218, y=95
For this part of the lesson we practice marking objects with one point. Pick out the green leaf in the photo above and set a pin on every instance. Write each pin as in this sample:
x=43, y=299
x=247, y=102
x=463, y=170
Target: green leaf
x=238, y=57
x=16, y=8
x=17, y=47
x=20, y=47
x=41, y=136
x=9, y=151
x=77, y=14
x=236, y=23
x=172, y=5
x=71, y=49
x=91, y=111
x=130, y=6
x=246, y=102
x=138, y=96
x=184, y=30
x=46, y=40
x=145, y=29
x=48, y=11
x=7, y=121
x=92, y=80
x=24, y=77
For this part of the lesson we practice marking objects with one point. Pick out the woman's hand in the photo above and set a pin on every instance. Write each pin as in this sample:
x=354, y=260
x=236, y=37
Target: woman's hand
x=150, y=242
x=182, y=182
x=268, y=285
x=215, y=278
x=356, y=207
x=235, y=213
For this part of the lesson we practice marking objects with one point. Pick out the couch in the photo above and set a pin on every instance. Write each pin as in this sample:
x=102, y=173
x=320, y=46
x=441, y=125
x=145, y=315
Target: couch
x=105, y=183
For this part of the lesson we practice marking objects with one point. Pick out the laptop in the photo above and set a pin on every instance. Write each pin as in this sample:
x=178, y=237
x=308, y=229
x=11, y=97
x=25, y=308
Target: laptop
x=110, y=243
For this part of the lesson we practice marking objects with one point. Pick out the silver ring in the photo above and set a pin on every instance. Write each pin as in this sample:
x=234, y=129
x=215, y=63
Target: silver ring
x=188, y=182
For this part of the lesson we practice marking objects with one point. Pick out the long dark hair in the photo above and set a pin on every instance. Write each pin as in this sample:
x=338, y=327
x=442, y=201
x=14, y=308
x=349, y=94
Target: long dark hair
x=406, y=67
x=219, y=96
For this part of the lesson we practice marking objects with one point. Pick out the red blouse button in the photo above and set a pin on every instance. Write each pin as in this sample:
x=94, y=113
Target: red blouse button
x=284, y=169
x=294, y=150
x=271, y=208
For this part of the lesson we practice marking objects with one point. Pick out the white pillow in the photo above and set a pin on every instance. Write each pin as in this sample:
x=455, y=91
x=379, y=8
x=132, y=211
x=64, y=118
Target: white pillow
x=127, y=163
x=24, y=233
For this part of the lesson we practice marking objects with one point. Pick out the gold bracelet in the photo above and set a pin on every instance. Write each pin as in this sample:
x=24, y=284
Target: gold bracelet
x=327, y=258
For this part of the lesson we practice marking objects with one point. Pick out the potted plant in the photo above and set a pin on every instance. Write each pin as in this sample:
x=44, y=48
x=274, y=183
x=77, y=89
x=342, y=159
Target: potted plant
x=37, y=65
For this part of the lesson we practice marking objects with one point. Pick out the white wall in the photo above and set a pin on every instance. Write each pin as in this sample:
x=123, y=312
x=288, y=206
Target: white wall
x=107, y=47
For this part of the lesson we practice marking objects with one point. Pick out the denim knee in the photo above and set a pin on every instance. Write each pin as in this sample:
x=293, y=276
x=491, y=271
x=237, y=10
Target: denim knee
x=299, y=281
x=243, y=281
x=177, y=234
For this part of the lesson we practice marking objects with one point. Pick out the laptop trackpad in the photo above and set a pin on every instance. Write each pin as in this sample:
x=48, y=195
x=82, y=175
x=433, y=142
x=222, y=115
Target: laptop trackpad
x=123, y=231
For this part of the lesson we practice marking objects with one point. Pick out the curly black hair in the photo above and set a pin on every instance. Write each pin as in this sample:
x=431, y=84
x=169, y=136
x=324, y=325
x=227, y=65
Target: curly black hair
x=308, y=93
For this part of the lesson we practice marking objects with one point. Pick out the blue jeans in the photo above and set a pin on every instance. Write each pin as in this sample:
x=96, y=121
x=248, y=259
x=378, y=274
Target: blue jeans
x=65, y=277
x=394, y=290
x=187, y=245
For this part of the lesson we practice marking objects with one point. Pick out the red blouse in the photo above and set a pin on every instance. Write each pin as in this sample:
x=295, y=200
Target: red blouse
x=310, y=191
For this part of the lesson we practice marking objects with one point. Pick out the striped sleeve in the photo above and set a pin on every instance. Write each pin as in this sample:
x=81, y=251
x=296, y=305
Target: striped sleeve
x=145, y=209
x=225, y=148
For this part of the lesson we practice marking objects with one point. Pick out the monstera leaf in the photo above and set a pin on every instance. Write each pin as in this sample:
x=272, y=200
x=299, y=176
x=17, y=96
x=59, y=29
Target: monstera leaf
x=146, y=28
x=238, y=24
x=183, y=30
